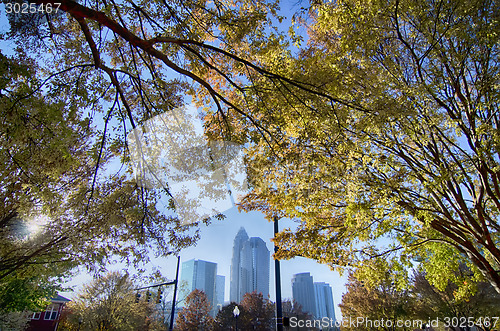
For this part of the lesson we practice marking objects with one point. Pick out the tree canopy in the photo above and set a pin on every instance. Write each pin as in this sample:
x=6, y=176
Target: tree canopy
x=256, y=313
x=108, y=303
x=383, y=302
x=77, y=79
x=428, y=302
x=65, y=202
x=420, y=303
x=379, y=135
x=95, y=72
x=395, y=154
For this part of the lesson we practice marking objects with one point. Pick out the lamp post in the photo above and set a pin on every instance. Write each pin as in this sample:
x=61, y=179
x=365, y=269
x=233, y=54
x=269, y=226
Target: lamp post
x=277, y=279
x=236, y=313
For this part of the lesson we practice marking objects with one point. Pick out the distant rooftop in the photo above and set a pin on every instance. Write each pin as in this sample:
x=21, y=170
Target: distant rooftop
x=60, y=298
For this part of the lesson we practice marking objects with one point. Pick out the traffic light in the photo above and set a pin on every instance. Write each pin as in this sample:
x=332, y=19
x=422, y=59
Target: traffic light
x=137, y=297
x=148, y=296
x=158, y=296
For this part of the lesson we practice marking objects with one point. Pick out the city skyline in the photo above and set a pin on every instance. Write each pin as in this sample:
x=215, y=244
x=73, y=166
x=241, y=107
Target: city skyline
x=215, y=245
x=315, y=298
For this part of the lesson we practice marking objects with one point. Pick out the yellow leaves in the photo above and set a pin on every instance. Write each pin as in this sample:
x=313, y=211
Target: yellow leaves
x=382, y=272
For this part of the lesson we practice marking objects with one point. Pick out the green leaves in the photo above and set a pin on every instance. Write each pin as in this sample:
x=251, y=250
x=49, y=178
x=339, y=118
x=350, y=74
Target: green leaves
x=108, y=303
x=416, y=300
x=379, y=135
x=52, y=167
x=25, y=293
x=392, y=141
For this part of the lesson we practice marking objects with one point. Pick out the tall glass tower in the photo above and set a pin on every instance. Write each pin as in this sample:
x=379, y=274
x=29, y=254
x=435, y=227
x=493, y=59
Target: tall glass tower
x=303, y=292
x=324, y=300
x=201, y=275
x=236, y=269
x=220, y=285
x=249, y=267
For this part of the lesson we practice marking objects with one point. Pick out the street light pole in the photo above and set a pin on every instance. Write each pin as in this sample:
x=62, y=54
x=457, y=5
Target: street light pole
x=277, y=278
x=171, y=327
x=236, y=313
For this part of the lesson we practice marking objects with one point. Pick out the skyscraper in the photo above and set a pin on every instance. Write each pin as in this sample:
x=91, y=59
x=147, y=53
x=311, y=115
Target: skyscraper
x=303, y=292
x=324, y=301
x=235, y=278
x=255, y=263
x=200, y=275
x=220, y=285
x=249, y=267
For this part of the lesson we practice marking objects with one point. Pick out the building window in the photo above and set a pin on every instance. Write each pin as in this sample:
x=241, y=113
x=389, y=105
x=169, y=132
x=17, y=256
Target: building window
x=36, y=316
x=51, y=312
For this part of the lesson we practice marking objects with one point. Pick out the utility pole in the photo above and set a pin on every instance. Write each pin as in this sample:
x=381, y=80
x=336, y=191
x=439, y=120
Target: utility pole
x=277, y=278
x=172, y=314
x=175, y=282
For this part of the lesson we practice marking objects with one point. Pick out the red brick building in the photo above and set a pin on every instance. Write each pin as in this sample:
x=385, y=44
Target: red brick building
x=48, y=320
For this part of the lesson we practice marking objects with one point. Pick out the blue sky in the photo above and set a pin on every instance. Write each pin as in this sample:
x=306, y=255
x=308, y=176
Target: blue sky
x=217, y=238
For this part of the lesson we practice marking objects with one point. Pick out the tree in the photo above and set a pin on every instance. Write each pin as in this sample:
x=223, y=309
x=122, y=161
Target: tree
x=431, y=303
x=88, y=91
x=196, y=314
x=291, y=308
x=257, y=314
x=108, y=303
x=56, y=202
x=382, y=303
x=383, y=126
x=37, y=135
x=393, y=154
x=420, y=302
x=14, y=320
x=29, y=291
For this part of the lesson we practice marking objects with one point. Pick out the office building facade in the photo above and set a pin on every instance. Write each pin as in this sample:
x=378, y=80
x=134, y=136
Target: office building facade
x=201, y=275
x=220, y=285
x=235, y=282
x=324, y=301
x=303, y=292
x=249, y=267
